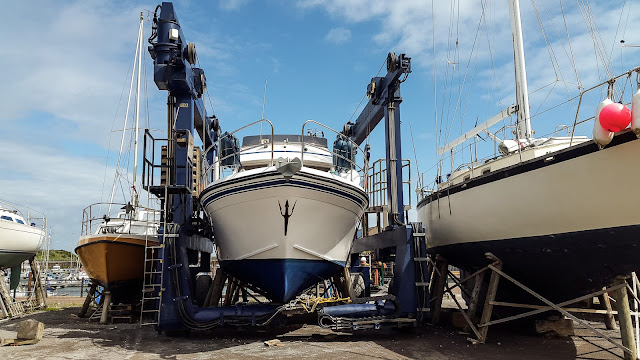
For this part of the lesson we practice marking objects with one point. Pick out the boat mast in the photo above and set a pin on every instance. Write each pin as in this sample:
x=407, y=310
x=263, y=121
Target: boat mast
x=134, y=195
x=522, y=93
x=137, y=55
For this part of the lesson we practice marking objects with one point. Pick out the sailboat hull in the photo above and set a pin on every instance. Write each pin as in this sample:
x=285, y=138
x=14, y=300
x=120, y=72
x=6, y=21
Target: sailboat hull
x=18, y=243
x=564, y=224
x=282, y=236
x=116, y=262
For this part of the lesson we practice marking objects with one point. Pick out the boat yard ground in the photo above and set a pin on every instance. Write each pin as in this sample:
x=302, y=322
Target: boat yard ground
x=68, y=337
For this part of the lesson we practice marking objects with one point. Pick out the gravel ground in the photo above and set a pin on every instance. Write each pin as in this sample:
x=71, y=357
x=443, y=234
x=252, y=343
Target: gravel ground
x=69, y=337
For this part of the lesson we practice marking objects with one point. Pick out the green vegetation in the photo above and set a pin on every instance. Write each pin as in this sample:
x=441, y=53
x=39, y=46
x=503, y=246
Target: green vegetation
x=56, y=255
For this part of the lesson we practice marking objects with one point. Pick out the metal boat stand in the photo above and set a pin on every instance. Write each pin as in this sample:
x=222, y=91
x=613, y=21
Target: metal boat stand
x=11, y=308
x=620, y=289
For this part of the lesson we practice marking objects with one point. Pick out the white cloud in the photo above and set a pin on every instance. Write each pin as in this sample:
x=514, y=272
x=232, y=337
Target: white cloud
x=54, y=182
x=410, y=26
x=338, y=35
x=232, y=4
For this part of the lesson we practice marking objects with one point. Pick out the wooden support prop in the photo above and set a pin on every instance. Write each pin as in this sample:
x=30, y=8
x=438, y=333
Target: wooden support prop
x=38, y=286
x=106, y=305
x=440, y=282
x=491, y=296
x=549, y=308
x=472, y=307
x=231, y=289
x=464, y=315
x=609, y=321
x=564, y=312
x=88, y=299
x=216, y=289
x=624, y=316
x=238, y=290
x=342, y=282
x=542, y=309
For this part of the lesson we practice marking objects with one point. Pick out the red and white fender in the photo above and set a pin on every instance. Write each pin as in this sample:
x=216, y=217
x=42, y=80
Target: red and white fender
x=635, y=113
x=601, y=136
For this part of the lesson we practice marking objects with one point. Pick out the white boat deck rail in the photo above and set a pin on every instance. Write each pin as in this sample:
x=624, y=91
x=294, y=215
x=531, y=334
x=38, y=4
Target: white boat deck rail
x=216, y=170
x=469, y=151
x=130, y=220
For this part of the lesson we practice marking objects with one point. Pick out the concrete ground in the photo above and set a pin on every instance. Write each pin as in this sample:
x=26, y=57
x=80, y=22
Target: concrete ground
x=69, y=337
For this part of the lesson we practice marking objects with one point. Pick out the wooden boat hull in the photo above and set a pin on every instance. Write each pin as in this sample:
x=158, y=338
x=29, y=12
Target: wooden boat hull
x=116, y=262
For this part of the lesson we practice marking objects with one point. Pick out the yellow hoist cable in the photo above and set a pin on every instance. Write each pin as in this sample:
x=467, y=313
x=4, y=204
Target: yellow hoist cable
x=310, y=304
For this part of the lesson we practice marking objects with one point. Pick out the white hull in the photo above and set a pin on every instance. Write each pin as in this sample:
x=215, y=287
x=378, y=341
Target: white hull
x=251, y=209
x=574, y=229
x=18, y=242
x=250, y=224
x=591, y=191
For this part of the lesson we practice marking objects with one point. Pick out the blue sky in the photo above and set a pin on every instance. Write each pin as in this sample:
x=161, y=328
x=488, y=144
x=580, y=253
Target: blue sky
x=65, y=66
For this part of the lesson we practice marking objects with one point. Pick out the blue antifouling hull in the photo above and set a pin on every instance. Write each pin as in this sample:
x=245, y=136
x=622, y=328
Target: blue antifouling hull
x=281, y=279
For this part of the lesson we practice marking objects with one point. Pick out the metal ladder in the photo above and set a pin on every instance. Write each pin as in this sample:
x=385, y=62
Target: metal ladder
x=420, y=259
x=152, y=283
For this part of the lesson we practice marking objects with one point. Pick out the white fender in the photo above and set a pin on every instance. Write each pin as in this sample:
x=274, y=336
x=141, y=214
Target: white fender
x=601, y=136
x=635, y=113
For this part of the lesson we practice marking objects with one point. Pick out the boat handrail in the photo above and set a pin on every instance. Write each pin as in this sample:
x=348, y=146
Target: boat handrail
x=29, y=219
x=217, y=144
x=91, y=221
x=571, y=129
x=351, y=161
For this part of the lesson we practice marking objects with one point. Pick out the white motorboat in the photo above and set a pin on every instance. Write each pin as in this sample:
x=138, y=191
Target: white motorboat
x=541, y=204
x=284, y=218
x=20, y=238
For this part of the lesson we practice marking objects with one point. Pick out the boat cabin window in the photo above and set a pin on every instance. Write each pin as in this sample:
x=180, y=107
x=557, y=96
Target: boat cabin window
x=140, y=230
x=8, y=218
x=20, y=221
x=110, y=229
x=466, y=178
x=486, y=171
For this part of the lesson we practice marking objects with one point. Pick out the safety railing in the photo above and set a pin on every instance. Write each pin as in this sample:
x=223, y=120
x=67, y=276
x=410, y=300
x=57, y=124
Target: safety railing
x=353, y=165
x=591, y=95
x=93, y=216
x=215, y=165
x=377, y=183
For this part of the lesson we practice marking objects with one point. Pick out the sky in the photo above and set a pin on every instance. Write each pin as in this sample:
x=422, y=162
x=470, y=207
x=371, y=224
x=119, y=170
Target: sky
x=65, y=68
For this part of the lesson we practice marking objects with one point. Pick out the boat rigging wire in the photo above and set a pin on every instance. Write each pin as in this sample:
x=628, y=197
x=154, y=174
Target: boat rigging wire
x=137, y=58
x=473, y=52
x=435, y=82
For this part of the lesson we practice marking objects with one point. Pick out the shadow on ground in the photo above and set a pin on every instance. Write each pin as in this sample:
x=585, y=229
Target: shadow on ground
x=67, y=336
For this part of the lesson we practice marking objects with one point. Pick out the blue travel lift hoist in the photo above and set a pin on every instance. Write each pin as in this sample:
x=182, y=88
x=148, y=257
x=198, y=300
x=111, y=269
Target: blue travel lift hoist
x=185, y=236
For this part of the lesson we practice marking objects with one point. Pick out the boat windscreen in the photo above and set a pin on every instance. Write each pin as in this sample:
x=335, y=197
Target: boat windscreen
x=253, y=140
